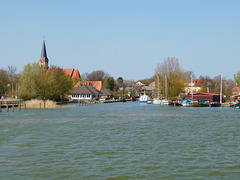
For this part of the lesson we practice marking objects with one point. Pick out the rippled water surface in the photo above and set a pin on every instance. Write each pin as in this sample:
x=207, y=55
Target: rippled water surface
x=120, y=141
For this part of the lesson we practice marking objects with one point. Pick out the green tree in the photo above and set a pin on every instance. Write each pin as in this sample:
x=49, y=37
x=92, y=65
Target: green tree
x=173, y=84
x=4, y=81
x=237, y=78
x=28, y=81
x=119, y=80
x=53, y=84
x=109, y=83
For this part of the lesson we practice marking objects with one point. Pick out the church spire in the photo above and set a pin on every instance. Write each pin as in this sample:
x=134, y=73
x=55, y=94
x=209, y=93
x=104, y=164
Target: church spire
x=43, y=60
x=44, y=52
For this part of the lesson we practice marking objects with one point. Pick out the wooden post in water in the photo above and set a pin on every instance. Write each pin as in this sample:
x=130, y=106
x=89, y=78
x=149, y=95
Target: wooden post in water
x=0, y=108
x=78, y=103
x=12, y=107
x=25, y=107
x=7, y=108
x=19, y=107
x=40, y=105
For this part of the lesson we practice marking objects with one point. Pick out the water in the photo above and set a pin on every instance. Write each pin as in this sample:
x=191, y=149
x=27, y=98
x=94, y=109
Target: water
x=120, y=141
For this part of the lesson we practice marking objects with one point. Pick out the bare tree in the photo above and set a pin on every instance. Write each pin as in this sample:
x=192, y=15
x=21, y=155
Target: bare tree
x=98, y=75
x=11, y=73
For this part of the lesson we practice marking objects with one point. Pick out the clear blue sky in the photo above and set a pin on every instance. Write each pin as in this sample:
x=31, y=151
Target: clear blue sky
x=125, y=38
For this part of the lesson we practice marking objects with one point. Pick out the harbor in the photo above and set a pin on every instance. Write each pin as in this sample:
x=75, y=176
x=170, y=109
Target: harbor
x=120, y=140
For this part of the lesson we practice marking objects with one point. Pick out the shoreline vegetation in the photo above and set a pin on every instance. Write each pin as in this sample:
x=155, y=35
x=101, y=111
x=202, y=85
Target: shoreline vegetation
x=47, y=104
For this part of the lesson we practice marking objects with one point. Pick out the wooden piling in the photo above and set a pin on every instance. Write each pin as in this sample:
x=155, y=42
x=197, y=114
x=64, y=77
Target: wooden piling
x=7, y=109
x=19, y=107
x=12, y=107
x=40, y=105
x=25, y=107
x=0, y=108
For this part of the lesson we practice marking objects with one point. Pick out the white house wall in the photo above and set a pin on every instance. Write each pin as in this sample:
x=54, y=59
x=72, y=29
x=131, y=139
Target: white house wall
x=81, y=97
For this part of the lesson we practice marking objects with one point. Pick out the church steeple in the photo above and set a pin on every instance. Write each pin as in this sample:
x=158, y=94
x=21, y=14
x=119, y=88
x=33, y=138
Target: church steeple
x=43, y=62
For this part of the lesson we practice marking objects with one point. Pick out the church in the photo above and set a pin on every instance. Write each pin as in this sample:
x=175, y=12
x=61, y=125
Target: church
x=43, y=62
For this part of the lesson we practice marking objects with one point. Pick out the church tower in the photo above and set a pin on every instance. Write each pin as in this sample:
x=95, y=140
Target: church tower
x=43, y=61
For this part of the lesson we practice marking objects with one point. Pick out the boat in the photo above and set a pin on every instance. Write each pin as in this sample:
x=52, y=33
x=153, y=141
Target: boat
x=157, y=100
x=187, y=103
x=200, y=103
x=150, y=101
x=144, y=99
x=215, y=104
x=165, y=102
x=234, y=104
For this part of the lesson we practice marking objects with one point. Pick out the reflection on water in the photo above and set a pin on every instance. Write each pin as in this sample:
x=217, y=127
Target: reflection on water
x=120, y=141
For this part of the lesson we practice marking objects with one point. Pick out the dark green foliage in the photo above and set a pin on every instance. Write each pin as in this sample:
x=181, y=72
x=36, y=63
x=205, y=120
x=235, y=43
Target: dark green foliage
x=40, y=83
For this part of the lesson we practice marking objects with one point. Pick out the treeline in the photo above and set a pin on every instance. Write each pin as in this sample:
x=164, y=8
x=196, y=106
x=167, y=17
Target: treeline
x=173, y=78
x=42, y=83
x=52, y=83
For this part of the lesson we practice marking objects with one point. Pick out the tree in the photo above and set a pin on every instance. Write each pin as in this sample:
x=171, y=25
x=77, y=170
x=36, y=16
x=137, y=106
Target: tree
x=98, y=75
x=41, y=83
x=237, y=78
x=28, y=81
x=11, y=73
x=4, y=81
x=53, y=84
x=119, y=80
x=176, y=77
x=109, y=83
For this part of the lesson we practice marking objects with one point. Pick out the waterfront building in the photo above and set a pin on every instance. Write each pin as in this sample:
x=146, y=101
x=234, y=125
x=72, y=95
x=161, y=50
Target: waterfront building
x=85, y=92
x=193, y=85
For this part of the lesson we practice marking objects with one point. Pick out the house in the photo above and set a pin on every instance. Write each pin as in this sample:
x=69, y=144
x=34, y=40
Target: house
x=204, y=96
x=152, y=84
x=85, y=92
x=193, y=85
x=95, y=84
x=140, y=83
x=107, y=93
x=236, y=91
x=72, y=73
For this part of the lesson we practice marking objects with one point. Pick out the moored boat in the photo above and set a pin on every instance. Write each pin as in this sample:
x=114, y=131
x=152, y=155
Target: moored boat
x=144, y=98
x=187, y=103
x=157, y=101
x=200, y=103
x=215, y=104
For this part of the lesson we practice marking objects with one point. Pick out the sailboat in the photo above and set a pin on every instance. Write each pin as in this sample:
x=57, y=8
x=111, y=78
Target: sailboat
x=187, y=102
x=165, y=101
x=157, y=100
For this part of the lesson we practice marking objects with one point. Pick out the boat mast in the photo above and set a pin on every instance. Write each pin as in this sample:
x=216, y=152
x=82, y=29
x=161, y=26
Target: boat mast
x=166, y=96
x=221, y=90
x=192, y=86
x=158, y=85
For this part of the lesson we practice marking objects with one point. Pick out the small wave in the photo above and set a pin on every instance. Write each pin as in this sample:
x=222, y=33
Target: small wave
x=216, y=172
x=234, y=167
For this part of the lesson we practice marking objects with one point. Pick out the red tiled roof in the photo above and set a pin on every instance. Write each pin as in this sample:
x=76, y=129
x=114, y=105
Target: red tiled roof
x=95, y=84
x=236, y=90
x=197, y=82
x=73, y=73
x=152, y=84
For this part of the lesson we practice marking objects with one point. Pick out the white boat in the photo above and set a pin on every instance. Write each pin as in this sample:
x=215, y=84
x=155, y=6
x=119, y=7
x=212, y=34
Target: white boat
x=144, y=98
x=187, y=103
x=157, y=101
x=165, y=102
